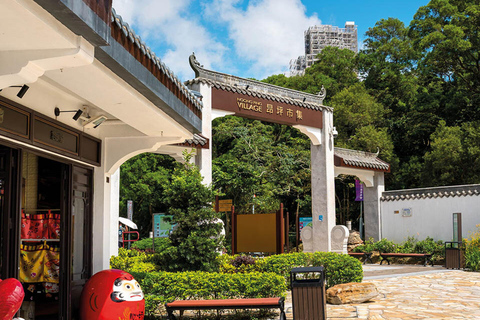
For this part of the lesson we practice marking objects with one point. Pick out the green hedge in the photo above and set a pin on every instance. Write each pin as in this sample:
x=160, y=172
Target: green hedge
x=411, y=245
x=132, y=261
x=339, y=268
x=162, y=287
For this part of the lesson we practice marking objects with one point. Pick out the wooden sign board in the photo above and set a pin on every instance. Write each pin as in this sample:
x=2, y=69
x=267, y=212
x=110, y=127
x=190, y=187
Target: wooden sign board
x=225, y=205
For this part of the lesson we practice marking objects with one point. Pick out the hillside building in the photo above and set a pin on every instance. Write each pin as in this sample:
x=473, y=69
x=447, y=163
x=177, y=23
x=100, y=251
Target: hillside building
x=319, y=37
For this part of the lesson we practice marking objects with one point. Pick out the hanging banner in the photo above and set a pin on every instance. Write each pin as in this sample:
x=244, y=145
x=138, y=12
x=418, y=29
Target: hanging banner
x=358, y=190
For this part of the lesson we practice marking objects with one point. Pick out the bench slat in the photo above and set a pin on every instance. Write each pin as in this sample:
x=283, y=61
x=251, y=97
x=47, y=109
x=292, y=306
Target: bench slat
x=257, y=303
x=224, y=303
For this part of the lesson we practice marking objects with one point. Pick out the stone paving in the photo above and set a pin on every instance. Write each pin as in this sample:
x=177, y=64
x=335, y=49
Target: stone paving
x=414, y=293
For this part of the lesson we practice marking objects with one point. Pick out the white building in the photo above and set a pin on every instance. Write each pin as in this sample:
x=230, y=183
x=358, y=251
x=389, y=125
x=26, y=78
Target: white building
x=442, y=213
x=319, y=37
x=80, y=95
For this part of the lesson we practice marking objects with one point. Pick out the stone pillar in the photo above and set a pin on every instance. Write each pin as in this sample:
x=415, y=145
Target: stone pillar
x=323, y=186
x=372, y=195
x=203, y=159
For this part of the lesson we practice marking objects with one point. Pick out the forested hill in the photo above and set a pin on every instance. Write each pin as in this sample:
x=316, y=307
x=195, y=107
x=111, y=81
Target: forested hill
x=416, y=96
x=413, y=92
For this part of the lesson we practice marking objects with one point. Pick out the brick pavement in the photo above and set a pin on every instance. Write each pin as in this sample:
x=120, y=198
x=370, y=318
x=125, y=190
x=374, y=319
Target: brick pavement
x=412, y=292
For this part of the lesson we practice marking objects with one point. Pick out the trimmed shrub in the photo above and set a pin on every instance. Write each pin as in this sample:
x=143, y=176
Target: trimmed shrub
x=385, y=246
x=472, y=251
x=146, y=244
x=436, y=248
x=338, y=268
x=367, y=247
x=162, y=287
x=132, y=261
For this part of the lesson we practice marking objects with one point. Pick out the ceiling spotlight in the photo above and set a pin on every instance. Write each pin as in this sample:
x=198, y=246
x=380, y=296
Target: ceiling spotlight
x=22, y=91
x=77, y=114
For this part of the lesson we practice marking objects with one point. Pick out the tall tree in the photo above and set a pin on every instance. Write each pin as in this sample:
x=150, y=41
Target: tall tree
x=142, y=180
x=447, y=32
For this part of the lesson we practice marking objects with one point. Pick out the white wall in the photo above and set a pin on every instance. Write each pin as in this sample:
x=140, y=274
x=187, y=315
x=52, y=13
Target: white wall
x=432, y=212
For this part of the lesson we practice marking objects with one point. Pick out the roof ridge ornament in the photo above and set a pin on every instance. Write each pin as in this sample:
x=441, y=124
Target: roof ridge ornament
x=194, y=64
x=256, y=87
x=322, y=94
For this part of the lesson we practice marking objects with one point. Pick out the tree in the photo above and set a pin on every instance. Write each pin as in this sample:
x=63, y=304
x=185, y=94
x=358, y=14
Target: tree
x=354, y=108
x=195, y=240
x=269, y=161
x=447, y=33
x=335, y=70
x=455, y=155
x=142, y=179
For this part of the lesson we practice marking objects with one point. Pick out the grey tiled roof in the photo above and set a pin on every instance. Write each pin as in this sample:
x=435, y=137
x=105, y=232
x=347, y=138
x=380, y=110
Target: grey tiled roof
x=359, y=159
x=197, y=141
x=136, y=40
x=431, y=193
x=253, y=92
x=256, y=88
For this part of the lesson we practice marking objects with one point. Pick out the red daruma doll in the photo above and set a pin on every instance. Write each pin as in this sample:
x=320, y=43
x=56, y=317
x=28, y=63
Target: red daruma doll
x=112, y=294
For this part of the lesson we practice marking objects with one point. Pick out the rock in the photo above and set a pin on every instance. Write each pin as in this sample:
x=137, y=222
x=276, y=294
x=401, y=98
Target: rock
x=354, y=238
x=352, y=293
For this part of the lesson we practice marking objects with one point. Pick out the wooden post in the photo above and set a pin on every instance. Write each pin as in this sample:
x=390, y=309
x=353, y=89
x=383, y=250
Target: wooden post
x=297, y=228
x=280, y=230
x=287, y=225
x=234, y=227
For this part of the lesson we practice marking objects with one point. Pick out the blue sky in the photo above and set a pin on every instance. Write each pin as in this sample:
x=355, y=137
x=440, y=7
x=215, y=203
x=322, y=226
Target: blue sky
x=247, y=38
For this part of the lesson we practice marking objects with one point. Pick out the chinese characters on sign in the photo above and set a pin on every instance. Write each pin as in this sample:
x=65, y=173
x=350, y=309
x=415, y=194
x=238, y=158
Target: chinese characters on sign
x=257, y=106
x=358, y=191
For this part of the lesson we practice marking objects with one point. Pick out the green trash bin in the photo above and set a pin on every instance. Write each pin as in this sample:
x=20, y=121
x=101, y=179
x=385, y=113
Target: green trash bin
x=308, y=293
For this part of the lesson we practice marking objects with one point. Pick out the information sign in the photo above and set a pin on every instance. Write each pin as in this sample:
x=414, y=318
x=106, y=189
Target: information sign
x=161, y=228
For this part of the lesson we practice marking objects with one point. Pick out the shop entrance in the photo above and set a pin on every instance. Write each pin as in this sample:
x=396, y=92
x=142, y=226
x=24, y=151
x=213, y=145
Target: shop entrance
x=43, y=204
x=45, y=211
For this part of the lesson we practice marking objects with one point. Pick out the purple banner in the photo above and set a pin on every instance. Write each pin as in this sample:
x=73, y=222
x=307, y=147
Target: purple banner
x=358, y=190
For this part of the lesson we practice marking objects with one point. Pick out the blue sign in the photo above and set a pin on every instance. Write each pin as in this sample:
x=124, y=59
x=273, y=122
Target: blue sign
x=161, y=228
x=320, y=218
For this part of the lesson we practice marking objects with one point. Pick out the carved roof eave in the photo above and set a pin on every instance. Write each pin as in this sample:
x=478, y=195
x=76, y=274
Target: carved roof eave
x=197, y=141
x=137, y=41
x=260, y=88
x=359, y=160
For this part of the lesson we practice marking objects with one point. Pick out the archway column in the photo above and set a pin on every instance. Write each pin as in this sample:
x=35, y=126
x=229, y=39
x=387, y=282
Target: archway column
x=323, y=187
x=371, y=203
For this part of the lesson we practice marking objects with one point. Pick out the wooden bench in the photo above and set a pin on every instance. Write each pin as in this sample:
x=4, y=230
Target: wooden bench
x=366, y=255
x=255, y=303
x=426, y=256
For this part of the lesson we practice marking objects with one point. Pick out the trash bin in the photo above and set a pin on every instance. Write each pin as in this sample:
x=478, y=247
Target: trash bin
x=308, y=293
x=454, y=255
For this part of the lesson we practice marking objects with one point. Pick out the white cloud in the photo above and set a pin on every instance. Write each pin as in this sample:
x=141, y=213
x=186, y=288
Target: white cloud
x=169, y=25
x=268, y=33
x=263, y=34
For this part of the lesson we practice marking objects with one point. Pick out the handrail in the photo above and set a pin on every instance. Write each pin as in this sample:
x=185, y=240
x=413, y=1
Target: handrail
x=129, y=232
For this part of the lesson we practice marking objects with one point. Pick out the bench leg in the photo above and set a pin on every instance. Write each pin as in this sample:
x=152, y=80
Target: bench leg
x=428, y=260
x=384, y=259
x=282, y=311
x=171, y=316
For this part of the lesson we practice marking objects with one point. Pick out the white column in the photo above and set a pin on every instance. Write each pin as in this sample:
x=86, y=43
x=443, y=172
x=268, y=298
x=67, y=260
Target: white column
x=323, y=187
x=371, y=204
x=102, y=221
x=114, y=211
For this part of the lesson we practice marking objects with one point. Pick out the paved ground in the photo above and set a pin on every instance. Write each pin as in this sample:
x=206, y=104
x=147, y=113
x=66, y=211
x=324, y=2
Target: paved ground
x=414, y=292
